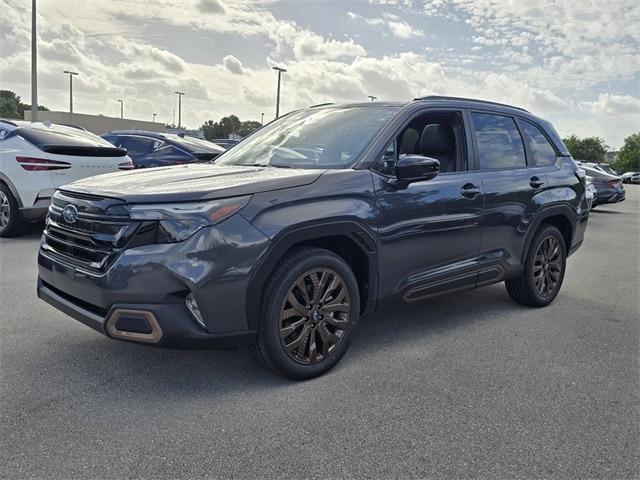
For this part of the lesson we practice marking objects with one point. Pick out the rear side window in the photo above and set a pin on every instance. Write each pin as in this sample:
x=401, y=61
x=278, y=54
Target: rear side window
x=139, y=145
x=113, y=139
x=543, y=153
x=500, y=145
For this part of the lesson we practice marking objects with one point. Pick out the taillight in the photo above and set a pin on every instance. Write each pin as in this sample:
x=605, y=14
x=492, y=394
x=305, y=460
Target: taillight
x=38, y=164
x=128, y=165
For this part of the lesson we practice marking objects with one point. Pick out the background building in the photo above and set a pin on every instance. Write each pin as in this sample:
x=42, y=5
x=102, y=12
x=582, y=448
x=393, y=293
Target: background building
x=98, y=124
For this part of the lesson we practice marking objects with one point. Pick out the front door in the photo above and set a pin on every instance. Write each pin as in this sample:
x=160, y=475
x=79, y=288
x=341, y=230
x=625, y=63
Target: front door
x=428, y=238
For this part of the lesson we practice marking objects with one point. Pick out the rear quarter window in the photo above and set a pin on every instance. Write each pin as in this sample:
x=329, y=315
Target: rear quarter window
x=543, y=152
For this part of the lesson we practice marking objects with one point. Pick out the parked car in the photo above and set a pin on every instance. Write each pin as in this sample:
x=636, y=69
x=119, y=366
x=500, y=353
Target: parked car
x=609, y=187
x=225, y=142
x=603, y=167
x=631, y=177
x=36, y=158
x=285, y=252
x=592, y=191
x=151, y=149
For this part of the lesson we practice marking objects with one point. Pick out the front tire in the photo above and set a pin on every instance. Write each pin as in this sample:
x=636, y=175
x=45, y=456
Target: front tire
x=543, y=272
x=310, y=308
x=9, y=213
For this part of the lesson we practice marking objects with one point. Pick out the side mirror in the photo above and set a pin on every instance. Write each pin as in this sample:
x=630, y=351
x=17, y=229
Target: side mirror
x=416, y=168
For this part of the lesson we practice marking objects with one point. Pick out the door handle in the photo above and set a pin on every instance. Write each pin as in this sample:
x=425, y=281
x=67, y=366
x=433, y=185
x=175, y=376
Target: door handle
x=469, y=190
x=535, y=182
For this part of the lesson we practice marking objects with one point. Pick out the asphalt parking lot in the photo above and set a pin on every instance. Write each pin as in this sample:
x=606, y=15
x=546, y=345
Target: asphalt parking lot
x=462, y=386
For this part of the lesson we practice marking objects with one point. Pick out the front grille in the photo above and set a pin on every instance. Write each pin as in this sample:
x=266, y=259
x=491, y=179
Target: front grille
x=101, y=230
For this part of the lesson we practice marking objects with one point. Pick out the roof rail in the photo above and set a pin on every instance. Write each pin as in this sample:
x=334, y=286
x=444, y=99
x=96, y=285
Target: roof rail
x=321, y=105
x=2, y=120
x=438, y=97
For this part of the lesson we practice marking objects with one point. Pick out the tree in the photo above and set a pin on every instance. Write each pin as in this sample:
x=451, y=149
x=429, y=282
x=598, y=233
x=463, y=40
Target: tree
x=228, y=125
x=248, y=127
x=11, y=105
x=590, y=149
x=629, y=157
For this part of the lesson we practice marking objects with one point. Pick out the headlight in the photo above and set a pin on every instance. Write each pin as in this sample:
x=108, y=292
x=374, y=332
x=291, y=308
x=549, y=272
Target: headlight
x=178, y=221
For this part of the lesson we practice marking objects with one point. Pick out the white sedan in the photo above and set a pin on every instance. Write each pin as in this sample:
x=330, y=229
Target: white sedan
x=37, y=158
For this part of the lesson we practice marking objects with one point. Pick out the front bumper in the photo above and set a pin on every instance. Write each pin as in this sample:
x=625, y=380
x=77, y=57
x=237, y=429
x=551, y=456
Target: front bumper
x=153, y=280
x=175, y=329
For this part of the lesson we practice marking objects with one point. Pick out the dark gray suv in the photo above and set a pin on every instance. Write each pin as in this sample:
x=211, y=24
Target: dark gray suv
x=313, y=220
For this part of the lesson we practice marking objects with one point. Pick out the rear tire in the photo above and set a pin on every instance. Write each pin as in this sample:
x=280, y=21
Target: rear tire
x=309, y=311
x=9, y=213
x=544, y=269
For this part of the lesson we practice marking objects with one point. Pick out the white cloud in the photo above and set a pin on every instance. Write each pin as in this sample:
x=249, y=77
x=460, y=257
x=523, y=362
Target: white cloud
x=211, y=6
x=397, y=27
x=553, y=58
x=611, y=104
x=310, y=45
x=232, y=64
x=404, y=30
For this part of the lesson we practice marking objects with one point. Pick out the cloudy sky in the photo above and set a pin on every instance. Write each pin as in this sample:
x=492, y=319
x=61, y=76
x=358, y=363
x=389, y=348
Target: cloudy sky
x=574, y=62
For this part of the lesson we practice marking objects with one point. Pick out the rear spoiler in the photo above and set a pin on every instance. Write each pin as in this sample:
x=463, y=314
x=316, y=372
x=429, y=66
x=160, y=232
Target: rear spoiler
x=84, y=151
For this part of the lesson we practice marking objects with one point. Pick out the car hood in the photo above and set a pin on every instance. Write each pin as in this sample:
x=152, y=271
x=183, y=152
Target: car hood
x=191, y=182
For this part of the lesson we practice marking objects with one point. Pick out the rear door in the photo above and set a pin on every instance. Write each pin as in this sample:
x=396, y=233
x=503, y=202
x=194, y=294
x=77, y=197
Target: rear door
x=510, y=183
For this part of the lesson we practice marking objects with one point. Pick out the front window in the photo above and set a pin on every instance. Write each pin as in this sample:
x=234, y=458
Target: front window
x=333, y=137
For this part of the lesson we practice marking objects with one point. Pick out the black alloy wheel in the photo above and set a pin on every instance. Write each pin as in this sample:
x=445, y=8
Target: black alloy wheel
x=310, y=308
x=543, y=269
x=314, y=315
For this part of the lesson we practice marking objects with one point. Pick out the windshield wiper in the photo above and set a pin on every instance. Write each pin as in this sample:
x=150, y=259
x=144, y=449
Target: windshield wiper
x=265, y=165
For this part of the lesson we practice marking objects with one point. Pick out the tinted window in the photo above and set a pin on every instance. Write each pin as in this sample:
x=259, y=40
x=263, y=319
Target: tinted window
x=171, y=151
x=543, y=152
x=56, y=135
x=113, y=139
x=499, y=143
x=332, y=137
x=386, y=164
x=139, y=145
x=196, y=145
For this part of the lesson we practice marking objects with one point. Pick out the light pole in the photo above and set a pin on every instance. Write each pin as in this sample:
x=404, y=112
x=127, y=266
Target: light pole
x=121, y=109
x=372, y=98
x=34, y=64
x=180, y=94
x=280, y=71
x=262, y=118
x=154, y=118
x=71, y=75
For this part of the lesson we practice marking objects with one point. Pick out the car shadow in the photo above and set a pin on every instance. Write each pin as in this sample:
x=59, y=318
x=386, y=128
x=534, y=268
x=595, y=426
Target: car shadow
x=599, y=209
x=97, y=365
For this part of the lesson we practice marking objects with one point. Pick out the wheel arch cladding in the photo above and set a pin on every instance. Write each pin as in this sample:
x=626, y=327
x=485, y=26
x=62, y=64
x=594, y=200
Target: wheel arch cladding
x=562, y=223
x=560, y=216
x=349, y=241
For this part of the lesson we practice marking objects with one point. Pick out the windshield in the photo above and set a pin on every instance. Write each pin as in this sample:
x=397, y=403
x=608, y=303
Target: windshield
x=325, y=138
x=194, y=144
